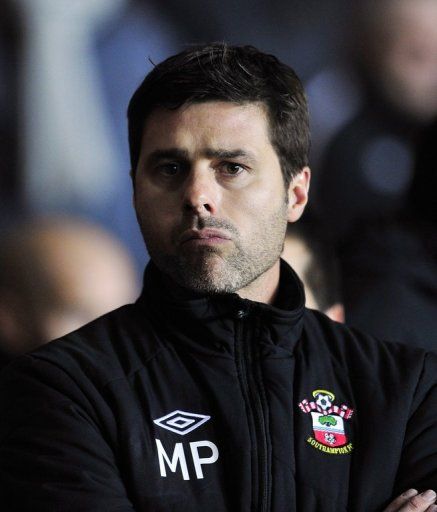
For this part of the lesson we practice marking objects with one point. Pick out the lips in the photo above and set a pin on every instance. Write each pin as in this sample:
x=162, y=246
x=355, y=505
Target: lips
x=204, y=235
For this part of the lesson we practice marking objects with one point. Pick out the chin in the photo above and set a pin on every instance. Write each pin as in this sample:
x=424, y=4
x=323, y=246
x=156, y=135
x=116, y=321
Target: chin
x=205, y=272
x=207, y=280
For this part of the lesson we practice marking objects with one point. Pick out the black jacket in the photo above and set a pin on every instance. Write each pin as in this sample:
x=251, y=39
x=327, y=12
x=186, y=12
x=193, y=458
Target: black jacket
x=187, y=403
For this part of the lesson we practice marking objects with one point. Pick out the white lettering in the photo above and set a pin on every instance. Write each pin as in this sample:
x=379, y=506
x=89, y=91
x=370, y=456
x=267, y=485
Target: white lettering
x=198, y=461
x=178, y=457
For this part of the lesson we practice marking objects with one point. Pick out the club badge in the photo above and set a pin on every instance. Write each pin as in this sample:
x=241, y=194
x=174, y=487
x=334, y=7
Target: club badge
x=328, y=423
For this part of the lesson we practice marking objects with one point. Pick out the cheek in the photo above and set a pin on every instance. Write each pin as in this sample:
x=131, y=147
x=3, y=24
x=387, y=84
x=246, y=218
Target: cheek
x=259, y=201
x=153, y=205
x=253, y=214
x=154, y=219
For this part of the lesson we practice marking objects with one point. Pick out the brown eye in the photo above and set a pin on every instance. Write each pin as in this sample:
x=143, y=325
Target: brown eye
x=169, y=170
x=233, y=169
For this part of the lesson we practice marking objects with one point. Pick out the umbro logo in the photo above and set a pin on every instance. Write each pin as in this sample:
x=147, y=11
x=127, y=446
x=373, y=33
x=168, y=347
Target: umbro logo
x=202, y=452
x=181, y=422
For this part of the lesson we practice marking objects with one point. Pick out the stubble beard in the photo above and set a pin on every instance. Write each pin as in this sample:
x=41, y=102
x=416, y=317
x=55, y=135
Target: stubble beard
x=217, y=269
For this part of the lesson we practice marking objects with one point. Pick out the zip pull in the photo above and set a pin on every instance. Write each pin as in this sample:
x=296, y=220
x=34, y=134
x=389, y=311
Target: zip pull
x=241, y=312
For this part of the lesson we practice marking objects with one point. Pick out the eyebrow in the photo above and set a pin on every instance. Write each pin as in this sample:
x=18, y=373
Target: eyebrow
x=226, y=154
x=182, y=154
x=167, y=154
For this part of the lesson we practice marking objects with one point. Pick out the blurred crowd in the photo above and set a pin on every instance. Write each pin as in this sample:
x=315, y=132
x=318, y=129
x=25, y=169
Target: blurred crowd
x=70, y=248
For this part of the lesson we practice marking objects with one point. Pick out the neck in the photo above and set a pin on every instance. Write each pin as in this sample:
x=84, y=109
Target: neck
x=264, y=288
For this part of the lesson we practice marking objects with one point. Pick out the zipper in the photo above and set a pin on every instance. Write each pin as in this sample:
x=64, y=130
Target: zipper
x=250, y=375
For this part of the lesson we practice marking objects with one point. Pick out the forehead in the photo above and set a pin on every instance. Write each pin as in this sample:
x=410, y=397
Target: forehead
x=212, y=123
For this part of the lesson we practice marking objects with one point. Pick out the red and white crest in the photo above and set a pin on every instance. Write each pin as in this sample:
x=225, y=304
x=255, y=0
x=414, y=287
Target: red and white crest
x=328, y=422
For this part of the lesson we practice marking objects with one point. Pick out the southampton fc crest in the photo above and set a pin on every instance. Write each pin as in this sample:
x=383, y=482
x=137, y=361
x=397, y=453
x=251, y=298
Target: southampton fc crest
x=328, y=423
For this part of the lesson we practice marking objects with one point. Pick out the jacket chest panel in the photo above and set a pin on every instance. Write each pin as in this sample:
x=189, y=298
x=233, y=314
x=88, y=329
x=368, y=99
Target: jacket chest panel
x=190, y=436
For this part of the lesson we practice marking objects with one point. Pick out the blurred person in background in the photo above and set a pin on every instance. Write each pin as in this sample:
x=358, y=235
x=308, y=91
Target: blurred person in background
x=390, y=269
x=56, y=275
x=395, y=63
x=314, y=261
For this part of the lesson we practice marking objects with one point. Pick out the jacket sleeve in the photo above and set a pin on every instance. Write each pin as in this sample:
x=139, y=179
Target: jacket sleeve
x=418, y=464
x=54, y=455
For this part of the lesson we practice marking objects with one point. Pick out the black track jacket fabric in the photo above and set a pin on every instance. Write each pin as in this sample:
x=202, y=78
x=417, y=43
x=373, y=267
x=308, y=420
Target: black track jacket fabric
x=187, y=403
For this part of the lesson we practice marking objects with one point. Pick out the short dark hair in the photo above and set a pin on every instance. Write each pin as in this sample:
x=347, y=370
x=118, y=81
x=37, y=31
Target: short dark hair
x=238, y=74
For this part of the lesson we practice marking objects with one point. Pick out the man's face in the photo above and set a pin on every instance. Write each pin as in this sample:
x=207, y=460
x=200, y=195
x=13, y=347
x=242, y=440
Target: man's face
x=210, y=196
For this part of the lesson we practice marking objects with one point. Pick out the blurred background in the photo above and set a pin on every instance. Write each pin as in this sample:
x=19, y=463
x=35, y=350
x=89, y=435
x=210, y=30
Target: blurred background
x=69, y=67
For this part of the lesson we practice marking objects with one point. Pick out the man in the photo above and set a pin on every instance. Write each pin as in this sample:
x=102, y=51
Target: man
x=217, y=390
x=315, y=263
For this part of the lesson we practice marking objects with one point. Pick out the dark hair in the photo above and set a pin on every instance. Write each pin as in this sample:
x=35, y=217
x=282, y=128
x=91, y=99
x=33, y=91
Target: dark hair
x=322, y=274
x=239, y=74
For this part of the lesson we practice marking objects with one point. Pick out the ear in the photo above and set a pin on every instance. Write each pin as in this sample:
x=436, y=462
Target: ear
x=298, y=194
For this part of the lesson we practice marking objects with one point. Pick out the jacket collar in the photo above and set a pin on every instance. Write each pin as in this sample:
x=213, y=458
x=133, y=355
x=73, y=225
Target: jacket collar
x=211, y=320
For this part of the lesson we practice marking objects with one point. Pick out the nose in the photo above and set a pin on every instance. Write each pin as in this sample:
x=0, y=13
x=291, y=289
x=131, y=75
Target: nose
x=201, y=192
